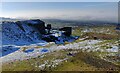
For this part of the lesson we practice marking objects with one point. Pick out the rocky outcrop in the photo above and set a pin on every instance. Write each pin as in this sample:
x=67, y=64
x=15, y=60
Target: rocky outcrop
x=22, y=32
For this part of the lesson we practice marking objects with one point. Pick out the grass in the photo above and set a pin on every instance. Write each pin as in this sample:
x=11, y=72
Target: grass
x=86, y=62
x=77, y=32
x=29, y=65
x=82, y=61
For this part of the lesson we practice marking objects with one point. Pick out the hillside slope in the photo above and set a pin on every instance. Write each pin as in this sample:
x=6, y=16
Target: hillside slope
x=21, y=33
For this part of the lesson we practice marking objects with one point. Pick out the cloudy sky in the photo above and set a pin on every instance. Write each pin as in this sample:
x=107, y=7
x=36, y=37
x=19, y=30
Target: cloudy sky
x=100, y=11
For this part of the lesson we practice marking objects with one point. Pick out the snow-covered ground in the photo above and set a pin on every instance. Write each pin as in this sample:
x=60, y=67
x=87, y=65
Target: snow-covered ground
x=113, y=49
x=21, y=55
x=80, y=45
x=14, y=38
x=12, y=34
x=34, y=52
x=14, y=52
x=54, y=63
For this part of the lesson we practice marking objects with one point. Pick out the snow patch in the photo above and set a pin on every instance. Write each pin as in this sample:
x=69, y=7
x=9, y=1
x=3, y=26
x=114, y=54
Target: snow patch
x=113, y=49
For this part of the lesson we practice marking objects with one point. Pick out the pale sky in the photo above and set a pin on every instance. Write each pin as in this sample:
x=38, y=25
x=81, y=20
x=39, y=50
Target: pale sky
x=101, y=11
x=60, y=0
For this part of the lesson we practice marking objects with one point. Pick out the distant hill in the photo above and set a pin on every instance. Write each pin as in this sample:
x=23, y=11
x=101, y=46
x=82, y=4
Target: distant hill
x=9, y=19
x=60, y=23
